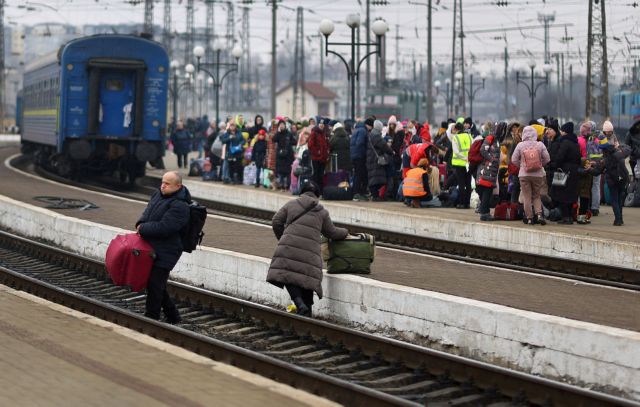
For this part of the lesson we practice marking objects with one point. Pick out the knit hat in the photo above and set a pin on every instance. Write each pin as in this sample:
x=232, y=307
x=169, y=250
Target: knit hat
x=603, y=142
x=607, y=126
x=377, y=125
x=460, y=120
x=392, y=120
x=369, y=122
x=567, y=128
x=541, y=121
x=444, y=125
x=337, y=125
x=423, y=162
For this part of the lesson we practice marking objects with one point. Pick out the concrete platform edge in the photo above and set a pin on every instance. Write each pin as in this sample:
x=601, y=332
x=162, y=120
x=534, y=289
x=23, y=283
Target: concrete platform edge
x=562, y=245
x=584, y=353
x=300, y=396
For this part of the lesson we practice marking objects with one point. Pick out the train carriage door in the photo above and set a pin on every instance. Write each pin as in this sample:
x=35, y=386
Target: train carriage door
x=116, y=115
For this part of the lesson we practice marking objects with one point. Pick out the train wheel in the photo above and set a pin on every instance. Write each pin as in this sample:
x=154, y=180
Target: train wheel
x=62, y=165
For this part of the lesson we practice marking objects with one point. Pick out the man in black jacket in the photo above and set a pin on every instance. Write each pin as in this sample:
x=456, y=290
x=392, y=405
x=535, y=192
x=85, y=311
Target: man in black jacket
x=160, y=224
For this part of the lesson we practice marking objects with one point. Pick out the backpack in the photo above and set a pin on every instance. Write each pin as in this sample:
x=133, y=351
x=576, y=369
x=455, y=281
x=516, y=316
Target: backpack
x=474, y=152
x=531, y=159
x=192, y=234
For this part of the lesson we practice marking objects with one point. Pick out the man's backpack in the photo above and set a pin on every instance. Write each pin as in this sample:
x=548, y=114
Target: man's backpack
x=531, y=159
x=474, y=152
x=192, y=233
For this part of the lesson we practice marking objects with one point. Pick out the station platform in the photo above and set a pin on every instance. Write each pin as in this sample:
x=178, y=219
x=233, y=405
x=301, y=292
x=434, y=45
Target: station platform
x=599, y=242
x=55, y=356
x=548, y=326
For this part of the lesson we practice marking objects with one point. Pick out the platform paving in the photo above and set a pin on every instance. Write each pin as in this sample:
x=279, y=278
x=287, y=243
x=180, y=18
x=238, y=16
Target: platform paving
x=54, y=356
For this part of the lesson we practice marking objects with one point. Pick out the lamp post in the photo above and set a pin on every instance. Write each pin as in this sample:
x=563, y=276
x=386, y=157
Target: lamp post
x=471, y=92
x=544, y=80
x=458, y=78
x=445, y=95
x=216, y=79
x=177, y=87
x=379, y=28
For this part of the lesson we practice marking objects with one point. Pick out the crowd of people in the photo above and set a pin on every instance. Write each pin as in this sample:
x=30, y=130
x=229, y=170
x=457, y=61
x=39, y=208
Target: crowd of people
x=547, y=170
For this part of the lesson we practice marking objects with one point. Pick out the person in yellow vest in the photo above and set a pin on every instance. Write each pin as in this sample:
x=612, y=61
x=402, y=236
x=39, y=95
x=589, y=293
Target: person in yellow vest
x=461, y=144
x=415, y=187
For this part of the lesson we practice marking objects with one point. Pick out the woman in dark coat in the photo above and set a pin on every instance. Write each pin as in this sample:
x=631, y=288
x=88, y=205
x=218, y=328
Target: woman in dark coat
x=297, y=262
x=377, y=147
x=284, y=154
x=340, y=144
x=181, y=139
x=568, y=158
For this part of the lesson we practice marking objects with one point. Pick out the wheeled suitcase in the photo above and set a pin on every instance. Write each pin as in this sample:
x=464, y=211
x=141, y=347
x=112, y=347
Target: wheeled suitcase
x=352, y=255
x=334, y=176
x=129, y=260
x=506, y=211
x=342, y=192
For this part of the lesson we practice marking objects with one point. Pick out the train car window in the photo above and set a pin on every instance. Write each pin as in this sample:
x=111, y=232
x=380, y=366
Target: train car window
x=114, y=85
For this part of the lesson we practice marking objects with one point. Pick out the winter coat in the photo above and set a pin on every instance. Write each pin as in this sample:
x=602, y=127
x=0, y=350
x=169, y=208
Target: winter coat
x=339, y=144
x=259, y=152
x=181, y=140
x=270, y=160
x=567, y=157
x=318, y=145
x=487, y=172
x=358, y=147
x=161, y=223
x=233, y=140
x=284, y=151
x=529, y=141
x=614, y=167
x=377, y=173
x=443, y=143
x=633, y=140
x=297, y=258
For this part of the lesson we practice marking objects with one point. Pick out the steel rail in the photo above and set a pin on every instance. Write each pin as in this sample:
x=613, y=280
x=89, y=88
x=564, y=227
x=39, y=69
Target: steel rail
x=516, y=385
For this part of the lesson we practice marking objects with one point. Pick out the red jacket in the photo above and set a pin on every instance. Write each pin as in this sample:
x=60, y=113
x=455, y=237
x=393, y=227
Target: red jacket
x=318, y=145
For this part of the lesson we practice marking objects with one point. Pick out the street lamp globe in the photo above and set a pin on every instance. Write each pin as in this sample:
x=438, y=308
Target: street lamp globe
x=174, y=64
x=458, y=75
x=546, y=68
x=532, y=64
x=326, y=27
x=198, y=51
x=210, y=81
x=353, y=20
x=447, y=81
x=483, y=76
x=379, y=27
x=236, y=52
x=189, y=68
x=437, y=83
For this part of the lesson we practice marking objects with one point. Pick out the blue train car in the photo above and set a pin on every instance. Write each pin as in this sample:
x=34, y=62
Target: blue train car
x=98, y=104
x=625, y=109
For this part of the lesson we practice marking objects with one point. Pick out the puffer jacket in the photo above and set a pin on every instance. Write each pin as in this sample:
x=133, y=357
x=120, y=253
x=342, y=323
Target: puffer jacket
x=358, y=147
x=297, y=258
x=318, y=145
x=339, y=144
x=376, y=146
x=614, y=167
x=567, y=158
x=161, y=223
x=488, y=168
x=530, y=140
x=633, y=140
x=233, y=140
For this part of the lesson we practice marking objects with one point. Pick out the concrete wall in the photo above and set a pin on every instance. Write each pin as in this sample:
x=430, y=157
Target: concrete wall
x=562, y=245
x=544, y=345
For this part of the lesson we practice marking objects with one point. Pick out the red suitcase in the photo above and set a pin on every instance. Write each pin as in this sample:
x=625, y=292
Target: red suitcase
x=506, y=211
x=129, y=260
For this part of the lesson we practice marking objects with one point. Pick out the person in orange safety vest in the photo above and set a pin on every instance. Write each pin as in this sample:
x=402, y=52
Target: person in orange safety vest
x=415, y=187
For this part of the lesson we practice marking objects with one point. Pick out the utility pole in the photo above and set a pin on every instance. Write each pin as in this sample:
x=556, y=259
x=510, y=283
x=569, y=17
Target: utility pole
x=506, y=77
x=557, y=55
x=571, y=110
x=457, y=63
x=546, y=19
x=245, y=61
x=166, y=29
x=430, y=115
x=209, y=34
x=597, y=98
x=368, y=32
x=274, y=67
x=231, y=88
x=148, y=17
x=2, y=74
x=358, y=96
x=321, y=61
x=188, y=52
x=298, y=65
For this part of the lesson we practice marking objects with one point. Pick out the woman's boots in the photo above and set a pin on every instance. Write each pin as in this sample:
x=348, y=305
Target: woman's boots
x=302, y=308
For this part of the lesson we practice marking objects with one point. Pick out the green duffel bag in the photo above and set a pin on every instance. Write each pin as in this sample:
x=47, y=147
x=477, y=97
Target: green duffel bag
x=352, y=255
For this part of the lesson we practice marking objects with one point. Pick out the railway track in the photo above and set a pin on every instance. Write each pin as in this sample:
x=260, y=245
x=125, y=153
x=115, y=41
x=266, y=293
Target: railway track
x=335, y=362
x=604, y=275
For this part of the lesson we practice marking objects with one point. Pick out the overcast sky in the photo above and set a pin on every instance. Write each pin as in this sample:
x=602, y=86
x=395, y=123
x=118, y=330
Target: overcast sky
x=623, y=25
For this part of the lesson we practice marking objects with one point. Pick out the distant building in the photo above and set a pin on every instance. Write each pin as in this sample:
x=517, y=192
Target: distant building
x=318, y=100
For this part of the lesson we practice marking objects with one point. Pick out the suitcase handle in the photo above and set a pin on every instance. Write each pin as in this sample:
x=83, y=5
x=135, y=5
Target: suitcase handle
x=136, y=252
